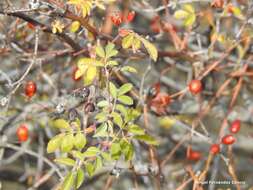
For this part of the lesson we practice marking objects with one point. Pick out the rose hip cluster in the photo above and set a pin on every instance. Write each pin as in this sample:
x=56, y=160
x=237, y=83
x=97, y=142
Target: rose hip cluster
x=228, y=139
x=234, y=128
x=22, y=131
x=118, y=18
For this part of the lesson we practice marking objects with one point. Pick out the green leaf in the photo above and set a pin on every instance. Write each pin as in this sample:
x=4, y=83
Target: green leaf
x=100, y=51
x=126, y=100
x=109, y=47
x=128, y=69
x=110, y=127
x=65, y=161
x=125, y=88
x=77, y=154
x=68, y=181
x=115, y=150
x=83, y=63
x=90, y=169
x=67, y=143
x=117, y=119
x=101, y=131
x=110, y=51
x=147, y=139
x=98, y=163
x=150, y=48
x=79, y=178
x=106, y=156
x=113, y=90
x=101, y=117
x=80, y=140
x=102, y=104
x=60, y=124
x=133, y=114
x=54, y=143
x=127, y=149
x=112, y=63
x=122, y=109
x=91, y=151
x=136, y=130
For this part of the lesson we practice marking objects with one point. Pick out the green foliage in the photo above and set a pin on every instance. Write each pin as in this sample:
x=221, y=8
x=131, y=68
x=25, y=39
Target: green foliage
x=67, y=143
x=115, y=118
x=80, y=140
x=60, y=124
x=65, y=161
x=79, y=177
x=135, y=129
x=54, y=143
x=115, y=150
x=147, y=139
x=68, y=181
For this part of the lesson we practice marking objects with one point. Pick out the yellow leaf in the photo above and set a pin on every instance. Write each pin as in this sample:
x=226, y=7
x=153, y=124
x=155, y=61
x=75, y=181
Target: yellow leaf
x=127, y=41
x=221, y=38
x=84, y=62
x=78, y=73
x=100, y=5
x=167, y=122
x=189, y=8
x=90, y=75
x=150, y=48
x=181, y=14
x=60, y=123
x=238, y=13
x=136, y=44
x=189, y=21
x=74, y=27
x=90, y=36
x=187, y=14
x=84, y=5
x=57, y=26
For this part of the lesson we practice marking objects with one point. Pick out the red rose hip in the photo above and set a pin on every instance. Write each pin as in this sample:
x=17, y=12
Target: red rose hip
x=194, y=155
x=195, y=86
x=235, y=126
x=228, y=140
x=130, y=16
x=30, y=89
x=116, y=18
x=31, y=26
x=215, y=149
x=22, y=133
